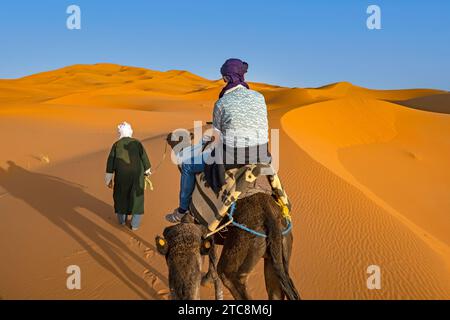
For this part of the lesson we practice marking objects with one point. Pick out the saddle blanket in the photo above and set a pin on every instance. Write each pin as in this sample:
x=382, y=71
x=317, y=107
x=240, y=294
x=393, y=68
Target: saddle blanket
x=209, y=208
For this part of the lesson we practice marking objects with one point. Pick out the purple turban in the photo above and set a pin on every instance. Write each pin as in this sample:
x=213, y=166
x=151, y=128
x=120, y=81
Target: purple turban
x=233, y=70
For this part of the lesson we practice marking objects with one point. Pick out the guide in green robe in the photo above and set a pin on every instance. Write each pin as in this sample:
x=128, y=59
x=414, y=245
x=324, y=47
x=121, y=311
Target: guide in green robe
x=129, y=163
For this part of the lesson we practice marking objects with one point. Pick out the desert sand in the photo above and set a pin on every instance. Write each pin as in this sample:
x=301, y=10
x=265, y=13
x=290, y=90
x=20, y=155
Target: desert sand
x=366, y=170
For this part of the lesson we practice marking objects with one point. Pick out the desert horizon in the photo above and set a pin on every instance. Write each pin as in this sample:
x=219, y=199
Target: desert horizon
x=365, y=170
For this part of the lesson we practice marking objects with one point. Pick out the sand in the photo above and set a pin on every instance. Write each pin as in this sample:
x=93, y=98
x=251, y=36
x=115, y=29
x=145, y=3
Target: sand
x=365, y=169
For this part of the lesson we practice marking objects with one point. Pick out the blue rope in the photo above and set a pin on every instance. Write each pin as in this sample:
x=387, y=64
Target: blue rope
x=256, y=233
x=288, y=227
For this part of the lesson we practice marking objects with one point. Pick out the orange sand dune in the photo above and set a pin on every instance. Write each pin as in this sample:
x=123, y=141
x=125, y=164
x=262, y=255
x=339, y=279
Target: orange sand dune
x=383, y=147
x=344, y=89
x=397, y=158
x=368, y=180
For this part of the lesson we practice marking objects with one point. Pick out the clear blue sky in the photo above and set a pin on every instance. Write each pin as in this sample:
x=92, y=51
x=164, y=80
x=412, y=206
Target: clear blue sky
x=292, y=43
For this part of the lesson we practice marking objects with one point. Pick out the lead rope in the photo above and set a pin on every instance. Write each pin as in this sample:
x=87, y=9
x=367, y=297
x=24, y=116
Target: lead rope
x=256, y=233
x=162, y=159
x=147, y=182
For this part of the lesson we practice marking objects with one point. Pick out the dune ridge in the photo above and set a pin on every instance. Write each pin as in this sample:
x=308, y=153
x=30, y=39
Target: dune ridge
x=69, y=84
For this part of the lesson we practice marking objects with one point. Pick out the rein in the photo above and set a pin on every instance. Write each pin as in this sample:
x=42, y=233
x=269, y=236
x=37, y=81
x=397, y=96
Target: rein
x=256, y=233
x=162, y=159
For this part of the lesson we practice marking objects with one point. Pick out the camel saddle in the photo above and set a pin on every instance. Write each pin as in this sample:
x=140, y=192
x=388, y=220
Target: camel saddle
x=210, y=208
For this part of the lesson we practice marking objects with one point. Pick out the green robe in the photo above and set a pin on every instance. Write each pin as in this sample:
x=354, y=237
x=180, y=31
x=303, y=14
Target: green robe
x=128, y=161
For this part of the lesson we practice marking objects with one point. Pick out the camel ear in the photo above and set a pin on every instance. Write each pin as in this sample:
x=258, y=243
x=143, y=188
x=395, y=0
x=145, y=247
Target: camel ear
x=206, y=246
x=161, y=245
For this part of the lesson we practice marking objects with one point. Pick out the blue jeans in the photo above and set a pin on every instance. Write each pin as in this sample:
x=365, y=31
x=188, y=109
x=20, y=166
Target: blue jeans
x=187, y=184
x=135, y=219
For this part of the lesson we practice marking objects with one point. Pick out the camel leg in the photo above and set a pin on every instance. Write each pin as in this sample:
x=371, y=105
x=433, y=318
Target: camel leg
x=236, y=264
x=236, y=281
x=273, y=286
x=212, y=267
x=212, y=276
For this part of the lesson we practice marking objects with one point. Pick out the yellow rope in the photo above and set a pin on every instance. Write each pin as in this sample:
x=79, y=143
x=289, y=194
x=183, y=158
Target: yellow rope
x=284, y=209
x=148, y=183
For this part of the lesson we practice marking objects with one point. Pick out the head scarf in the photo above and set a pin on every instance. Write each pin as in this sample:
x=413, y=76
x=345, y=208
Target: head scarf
x=233, y=70
x=125, y=130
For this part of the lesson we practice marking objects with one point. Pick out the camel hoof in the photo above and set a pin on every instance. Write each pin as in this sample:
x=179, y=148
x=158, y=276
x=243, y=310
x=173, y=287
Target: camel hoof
x=207, y=280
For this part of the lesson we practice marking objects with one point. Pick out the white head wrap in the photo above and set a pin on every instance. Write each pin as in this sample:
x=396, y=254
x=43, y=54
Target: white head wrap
x=125, y=130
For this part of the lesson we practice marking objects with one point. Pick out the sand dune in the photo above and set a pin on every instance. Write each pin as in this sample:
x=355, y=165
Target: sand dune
x=368, y=180
x=386, y=148
x=396, y=158
x=346, y=89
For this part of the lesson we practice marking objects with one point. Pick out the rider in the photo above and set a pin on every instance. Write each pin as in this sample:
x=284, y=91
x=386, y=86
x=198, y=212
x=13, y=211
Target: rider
x=240, y=122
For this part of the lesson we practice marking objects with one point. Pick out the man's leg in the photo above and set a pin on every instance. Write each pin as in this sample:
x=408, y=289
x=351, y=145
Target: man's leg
x=122, y=218
x=136, y=221
x=187, y=184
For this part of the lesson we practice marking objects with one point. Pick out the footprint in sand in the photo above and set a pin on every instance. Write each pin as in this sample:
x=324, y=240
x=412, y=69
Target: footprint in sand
x=136, y=242
x=164, y=294
x=151, y=279
x=149, y=253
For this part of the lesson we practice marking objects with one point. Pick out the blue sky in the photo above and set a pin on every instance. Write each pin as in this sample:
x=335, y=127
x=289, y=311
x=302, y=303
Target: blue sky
x=293, y=43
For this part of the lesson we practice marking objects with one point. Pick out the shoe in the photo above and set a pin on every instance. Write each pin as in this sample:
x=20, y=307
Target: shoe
x=175, y=216
x=134, y=228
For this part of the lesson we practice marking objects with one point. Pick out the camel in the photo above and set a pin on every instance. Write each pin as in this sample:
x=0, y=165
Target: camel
x=242, y=250
x=183, y=246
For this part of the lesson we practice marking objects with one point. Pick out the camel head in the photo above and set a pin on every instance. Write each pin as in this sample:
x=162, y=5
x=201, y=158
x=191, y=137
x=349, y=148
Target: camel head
x=183, y=245
x=179, y=139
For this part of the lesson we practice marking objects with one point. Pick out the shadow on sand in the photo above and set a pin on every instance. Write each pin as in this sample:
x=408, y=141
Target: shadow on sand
x=57, y=200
